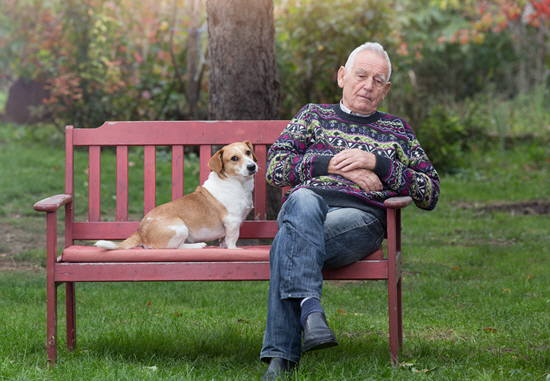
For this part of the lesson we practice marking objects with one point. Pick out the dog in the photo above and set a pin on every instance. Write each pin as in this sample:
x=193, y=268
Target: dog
x=215, y=210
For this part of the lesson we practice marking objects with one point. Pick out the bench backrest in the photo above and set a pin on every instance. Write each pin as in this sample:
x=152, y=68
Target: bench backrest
x=176, y=136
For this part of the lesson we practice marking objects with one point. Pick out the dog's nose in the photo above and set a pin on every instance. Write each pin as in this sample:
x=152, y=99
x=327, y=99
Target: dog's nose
x=251, y=168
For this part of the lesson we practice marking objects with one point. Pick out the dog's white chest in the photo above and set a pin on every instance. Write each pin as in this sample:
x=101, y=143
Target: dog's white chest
x=234, y=195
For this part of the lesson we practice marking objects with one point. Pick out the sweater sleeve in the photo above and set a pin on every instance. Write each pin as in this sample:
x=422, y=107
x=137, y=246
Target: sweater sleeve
x=289, y=162
x=411, y=175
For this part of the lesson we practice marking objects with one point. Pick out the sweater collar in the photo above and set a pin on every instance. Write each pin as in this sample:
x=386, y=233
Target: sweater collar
x=348, y=111
x=355, y=118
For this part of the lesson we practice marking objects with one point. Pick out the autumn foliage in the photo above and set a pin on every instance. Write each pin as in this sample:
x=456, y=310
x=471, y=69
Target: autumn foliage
x=100, y=59
x=126, y=60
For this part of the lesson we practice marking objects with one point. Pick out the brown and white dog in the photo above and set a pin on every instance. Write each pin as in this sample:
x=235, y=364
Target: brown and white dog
x=215, y=210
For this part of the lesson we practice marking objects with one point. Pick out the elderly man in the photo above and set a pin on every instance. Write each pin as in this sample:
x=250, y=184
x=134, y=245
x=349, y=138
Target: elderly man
x=342, y=161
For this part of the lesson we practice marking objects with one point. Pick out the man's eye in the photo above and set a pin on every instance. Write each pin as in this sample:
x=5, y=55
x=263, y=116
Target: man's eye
x=235, y=158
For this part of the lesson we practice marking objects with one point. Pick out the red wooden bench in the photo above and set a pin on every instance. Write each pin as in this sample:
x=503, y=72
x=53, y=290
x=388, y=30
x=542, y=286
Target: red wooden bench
x=91, y=264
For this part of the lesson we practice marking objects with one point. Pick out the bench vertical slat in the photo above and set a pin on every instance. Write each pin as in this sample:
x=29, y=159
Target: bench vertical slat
x=149, y=181
x=177, y=171
x=260, y=184
x=205, y=155
x=122, y=183
x=69, y=184
x=94, y=184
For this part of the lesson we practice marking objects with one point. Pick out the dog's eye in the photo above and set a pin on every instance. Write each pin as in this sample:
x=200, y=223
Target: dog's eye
x=235, y=158
x=247, y=153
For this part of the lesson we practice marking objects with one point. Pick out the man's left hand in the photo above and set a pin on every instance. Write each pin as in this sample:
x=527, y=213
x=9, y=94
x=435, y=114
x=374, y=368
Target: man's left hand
x=367, y=180
x=351, y=159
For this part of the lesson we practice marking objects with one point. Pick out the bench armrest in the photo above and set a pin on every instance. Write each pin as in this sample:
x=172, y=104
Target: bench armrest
x=397, y=202
x=52, y=204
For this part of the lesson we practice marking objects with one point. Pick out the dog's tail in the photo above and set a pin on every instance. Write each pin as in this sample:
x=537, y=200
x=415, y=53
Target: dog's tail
x=132, y=241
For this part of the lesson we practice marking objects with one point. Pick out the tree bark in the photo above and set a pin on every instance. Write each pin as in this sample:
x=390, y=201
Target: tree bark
x=193, y=58
x=243, y=77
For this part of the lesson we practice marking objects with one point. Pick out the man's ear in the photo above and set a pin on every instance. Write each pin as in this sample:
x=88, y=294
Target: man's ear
x=386, y=89
x=341, y=74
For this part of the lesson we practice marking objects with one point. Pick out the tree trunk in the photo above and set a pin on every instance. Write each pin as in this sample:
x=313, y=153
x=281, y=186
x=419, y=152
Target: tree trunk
x=193, y=58
x=243, y=79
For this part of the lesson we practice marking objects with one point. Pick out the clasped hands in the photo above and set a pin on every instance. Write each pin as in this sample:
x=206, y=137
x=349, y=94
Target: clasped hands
x=356, y=165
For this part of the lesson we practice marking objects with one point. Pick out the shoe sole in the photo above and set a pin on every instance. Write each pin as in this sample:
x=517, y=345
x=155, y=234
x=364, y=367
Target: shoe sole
x=321, y=344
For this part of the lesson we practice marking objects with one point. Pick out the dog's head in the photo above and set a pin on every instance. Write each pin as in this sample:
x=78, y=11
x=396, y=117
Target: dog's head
x=236, y=159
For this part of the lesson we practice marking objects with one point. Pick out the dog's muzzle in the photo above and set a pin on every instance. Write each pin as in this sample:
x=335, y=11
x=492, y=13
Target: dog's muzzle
x=252, y=169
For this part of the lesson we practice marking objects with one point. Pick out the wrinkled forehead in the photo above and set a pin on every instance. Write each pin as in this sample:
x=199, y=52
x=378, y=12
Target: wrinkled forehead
x=370, y=63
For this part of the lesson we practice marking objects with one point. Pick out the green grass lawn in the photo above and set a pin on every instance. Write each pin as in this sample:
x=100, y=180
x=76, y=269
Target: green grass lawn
x=476, y=293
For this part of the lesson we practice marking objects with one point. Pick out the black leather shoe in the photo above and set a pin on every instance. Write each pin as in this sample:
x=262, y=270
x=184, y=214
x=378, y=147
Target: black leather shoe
x=279, y=369
x=317, y=334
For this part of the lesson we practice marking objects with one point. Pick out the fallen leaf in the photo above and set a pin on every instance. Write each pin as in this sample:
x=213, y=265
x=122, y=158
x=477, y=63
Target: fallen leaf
x=414, y=370
x=490, y=329
x=342, y=312
x=149, y=304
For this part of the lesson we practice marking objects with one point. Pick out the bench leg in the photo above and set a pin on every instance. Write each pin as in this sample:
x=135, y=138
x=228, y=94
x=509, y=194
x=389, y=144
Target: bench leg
x=51, y=341
x=399, y=315
x=51, y=288
x=394, y=311
x=70, y=306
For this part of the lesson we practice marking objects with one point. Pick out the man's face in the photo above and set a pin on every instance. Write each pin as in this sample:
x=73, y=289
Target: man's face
x=365, y=85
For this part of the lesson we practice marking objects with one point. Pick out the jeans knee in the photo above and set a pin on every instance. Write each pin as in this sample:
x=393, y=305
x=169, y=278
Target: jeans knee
x=307, y=200
x=303, y=204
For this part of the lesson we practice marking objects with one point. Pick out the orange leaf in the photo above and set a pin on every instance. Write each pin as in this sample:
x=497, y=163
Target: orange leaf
x=342, y=312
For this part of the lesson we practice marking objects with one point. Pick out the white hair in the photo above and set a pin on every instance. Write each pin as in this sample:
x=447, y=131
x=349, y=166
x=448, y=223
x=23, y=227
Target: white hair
x=374, y=47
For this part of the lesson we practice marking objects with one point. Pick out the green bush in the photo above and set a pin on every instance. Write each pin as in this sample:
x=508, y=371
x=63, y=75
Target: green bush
x=447, y=138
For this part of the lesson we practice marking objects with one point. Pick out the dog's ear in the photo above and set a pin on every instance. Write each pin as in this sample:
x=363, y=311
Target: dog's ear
x=251, y=149
x=216, y=164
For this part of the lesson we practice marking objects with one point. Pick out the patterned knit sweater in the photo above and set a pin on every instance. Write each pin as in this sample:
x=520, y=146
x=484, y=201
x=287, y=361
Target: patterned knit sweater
x=300, y=158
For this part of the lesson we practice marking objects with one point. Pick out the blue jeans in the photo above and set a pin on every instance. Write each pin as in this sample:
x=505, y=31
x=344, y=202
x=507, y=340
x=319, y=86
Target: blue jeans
x=311, y=236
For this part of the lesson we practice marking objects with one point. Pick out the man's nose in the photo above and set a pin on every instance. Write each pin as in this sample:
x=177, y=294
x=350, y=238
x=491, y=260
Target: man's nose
x=368, y=83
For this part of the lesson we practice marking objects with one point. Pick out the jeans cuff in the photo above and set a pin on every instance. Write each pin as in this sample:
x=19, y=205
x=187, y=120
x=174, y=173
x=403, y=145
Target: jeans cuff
x=265, y=357
x=300, y=295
